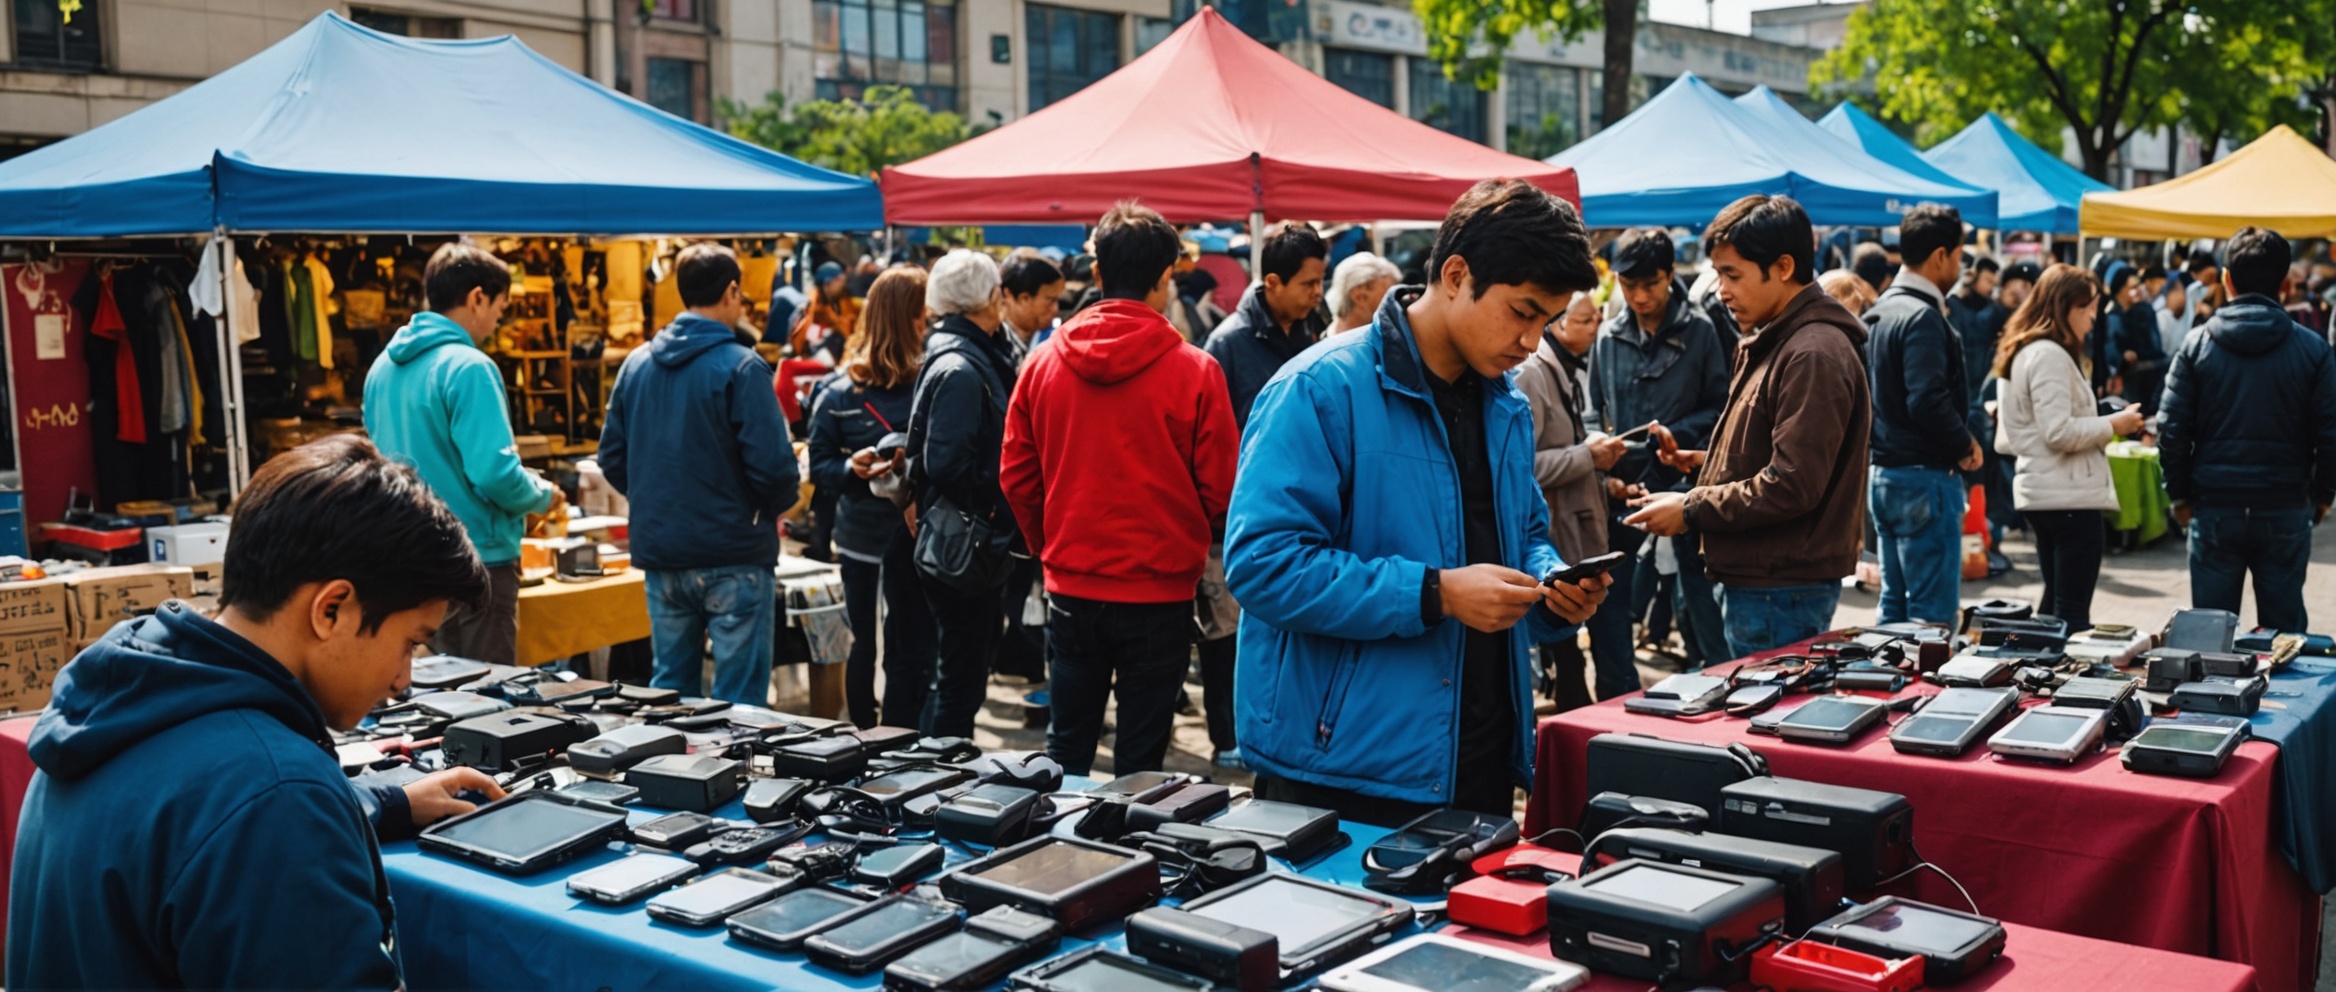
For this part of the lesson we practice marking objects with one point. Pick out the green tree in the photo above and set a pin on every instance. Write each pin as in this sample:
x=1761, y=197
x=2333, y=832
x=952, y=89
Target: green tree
x=2103, y=69
x=886, y=126
x=1471, y=37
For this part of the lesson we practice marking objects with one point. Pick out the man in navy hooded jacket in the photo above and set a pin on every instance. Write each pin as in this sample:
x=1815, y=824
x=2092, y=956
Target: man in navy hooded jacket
x=189, y=826
x=695, y=439
x=1386, y=536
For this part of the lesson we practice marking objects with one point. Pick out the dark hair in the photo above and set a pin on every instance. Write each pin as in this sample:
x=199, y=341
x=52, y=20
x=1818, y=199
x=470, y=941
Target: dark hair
x=1642, y=252
x=1025, y=273
x=1511, y=233
x=1766, y=228
x=2027, y=272
x=1985, y=263
x=889, y=344
x=2200, y=259
x=1287, y=247
x=1928, y=229
x=703, y=272
x=334, y=508
x=456, y=268
x=2256, y=262
x=2114, y=282
x=1871, y=262
x=1133, y=246
x=2153, y=271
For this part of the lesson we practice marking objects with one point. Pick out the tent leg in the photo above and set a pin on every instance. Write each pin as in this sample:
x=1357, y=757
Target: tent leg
x=231, y=370
x=1256, y=245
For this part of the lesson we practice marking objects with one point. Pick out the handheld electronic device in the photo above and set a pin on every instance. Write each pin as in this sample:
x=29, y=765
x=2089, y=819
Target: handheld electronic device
x=817, y=862
x=1638, y=764
x=1608, y=810
x=1832, y=719
x=772, y=799
x=613, y=793
x=1236, y=956
x=2168, y=668
x=1075, y=882
x=674, y=831
x=1099, y=969
x=1663, y=923
x=988, y=815
x=1317, y=923
x=1873, y=831
x=1435, y=963
x=1594, y=565
x=1952, y=721
x=527, y=832
x=712, y=899
x=782, y=924
x=993, y=943
x=1752, y=700
x=455, y=704
x=894, y=867
x=1188, y=804
x=2189, y=750
x=1953, y=945
x=647, y=695
x=696, y=782
x=897, y=787
x=821, y=759
x=1143, y=787
x=1812, y=877
x=2202, y=630
x=2121, y=697
x=2221, y=695
x=1680, y=695
x=498, y=741
x=1431, y=852
x=638, y=875
x=2051, y=733
x=745, y=846
x=1974, y=671
x=624, y=747
x=2233, y=664
x=441, y=670
x=552, y=691
x=1288, y=831
x=865, y=938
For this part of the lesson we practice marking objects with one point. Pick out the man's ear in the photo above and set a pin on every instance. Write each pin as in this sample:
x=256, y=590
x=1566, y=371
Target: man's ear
x=1454, y=276
x=1782, y=268
x=332, y=606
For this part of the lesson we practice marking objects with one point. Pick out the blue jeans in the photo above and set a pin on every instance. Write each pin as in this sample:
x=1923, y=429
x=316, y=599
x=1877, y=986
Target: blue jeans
x=2227, y=543
x=1763, y=619
x=737, y=605
x=1612, y=649
x=1696, y=603
x=1918, y=514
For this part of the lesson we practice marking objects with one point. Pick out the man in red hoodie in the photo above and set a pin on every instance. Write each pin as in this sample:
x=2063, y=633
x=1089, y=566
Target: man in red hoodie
x=1118, y=462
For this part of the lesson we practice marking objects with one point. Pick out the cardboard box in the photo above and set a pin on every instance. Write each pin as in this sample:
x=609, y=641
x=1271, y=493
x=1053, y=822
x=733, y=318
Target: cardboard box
x=201, y=545
x=29, y=663
x=35, y=605
x=99, y=598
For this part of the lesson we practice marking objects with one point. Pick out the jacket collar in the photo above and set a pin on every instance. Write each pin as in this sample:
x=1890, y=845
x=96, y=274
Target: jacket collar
x=1400, y=367
x=1625, y=325
x=1915, y=284
x=1806, y=307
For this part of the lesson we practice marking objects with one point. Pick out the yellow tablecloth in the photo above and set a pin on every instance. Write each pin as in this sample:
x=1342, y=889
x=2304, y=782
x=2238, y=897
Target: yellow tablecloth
x=560, y=619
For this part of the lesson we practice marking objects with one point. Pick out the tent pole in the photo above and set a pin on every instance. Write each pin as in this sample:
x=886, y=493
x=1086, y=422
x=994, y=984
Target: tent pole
x=231, y=370
x=1256, y=246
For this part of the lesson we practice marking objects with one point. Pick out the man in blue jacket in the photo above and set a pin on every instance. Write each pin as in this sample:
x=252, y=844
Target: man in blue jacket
x=1922, y=441
x=1386, y=534
x=2247, y=435
x=695, y=440
x=188, y=826
x=435, y=401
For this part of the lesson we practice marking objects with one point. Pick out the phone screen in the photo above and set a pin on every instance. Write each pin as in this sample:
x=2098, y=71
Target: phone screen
x=719, y=894
x=798, y=911
x=633, y=874
x=884, y=923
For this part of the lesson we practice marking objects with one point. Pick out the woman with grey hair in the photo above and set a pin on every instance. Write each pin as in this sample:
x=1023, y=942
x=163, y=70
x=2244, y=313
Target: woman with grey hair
x=956, y=427
x=1356, y=287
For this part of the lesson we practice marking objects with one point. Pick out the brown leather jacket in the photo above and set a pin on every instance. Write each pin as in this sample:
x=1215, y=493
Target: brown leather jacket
x=1781, y=497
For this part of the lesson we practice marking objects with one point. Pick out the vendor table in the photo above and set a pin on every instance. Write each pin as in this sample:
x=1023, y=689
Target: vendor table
x=561, y=619
x=2141, y=490
x=2093, y=850
x=2298, y=717
x=461, y=926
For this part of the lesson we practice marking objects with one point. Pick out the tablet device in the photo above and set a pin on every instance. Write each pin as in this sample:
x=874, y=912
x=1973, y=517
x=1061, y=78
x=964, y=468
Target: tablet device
x=2191, y=750
x=1096, y=969
x=1953, y=945
x=784, y=923
x=1952, y=721
x=1317, y=923
x=2051, y=733
x=900, y=786
x=1074, y=881
x=527, y=832
x=631, y=878
x=712, y=899
x=1436, y=963
x=1286, y=830
x=1832, y=719
x=865, y=938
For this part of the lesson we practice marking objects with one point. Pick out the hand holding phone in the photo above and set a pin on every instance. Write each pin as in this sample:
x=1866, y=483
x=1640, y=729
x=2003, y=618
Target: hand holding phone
x=1595, y=565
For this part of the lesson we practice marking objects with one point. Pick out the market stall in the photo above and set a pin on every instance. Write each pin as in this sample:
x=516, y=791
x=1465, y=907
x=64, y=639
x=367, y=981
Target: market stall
x=2039, y=191
x=1977, y=204
x=2280, y=181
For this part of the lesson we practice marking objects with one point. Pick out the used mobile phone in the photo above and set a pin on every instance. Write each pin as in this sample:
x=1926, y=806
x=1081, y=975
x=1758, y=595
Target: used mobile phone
x=1576, y=572
x=1639, y=431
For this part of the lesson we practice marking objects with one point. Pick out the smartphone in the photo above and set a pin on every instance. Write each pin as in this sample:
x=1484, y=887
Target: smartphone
x=624, y=881
x=1576, y=572
x=1639, y=431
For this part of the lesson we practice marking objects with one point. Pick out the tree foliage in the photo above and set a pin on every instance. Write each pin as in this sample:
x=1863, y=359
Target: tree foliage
x=2103, y=69
x=885, y=127
x=1470, y=38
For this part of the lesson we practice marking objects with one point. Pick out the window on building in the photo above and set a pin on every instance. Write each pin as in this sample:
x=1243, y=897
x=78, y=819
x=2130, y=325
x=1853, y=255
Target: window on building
x=1068, y=50
x=391, y=22
x=673, y=87
x=863, y=43
x=1545, y=109
x=45, y=39
x=1151, y=31
x=1369, y=75
x=672, y=10
x=1596, y=80
x=1440, y=103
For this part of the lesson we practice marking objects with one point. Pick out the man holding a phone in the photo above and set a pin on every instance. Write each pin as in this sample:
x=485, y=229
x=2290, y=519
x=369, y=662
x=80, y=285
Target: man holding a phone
x=1386, y=536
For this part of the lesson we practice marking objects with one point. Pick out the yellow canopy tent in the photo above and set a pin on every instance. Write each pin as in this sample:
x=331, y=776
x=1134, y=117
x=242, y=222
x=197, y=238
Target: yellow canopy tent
x=2279, y=181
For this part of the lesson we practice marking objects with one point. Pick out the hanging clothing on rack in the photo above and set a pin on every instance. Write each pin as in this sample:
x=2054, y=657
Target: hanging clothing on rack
x=106, y=323
x=208, y=297
x=320, y=297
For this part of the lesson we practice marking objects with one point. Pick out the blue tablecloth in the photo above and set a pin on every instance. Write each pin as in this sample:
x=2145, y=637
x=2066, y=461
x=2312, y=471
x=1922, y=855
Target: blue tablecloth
x=2298, y=716
x=464, y=927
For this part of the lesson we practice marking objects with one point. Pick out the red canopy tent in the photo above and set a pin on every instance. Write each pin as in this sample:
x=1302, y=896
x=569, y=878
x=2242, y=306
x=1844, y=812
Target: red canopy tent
x=1208, y=126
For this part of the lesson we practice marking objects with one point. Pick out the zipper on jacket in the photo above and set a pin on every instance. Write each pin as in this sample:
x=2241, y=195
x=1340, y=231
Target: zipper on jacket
x=1334, y=696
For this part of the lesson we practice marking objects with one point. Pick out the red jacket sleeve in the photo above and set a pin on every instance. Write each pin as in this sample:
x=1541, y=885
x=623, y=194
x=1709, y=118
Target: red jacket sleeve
x=1020, y=476
x=1216, y=448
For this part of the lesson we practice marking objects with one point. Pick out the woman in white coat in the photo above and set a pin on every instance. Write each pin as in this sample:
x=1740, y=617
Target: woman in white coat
x=2047, y=418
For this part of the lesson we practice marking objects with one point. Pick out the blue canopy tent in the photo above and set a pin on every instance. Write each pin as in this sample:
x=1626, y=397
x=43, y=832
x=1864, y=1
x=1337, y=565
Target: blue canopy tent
x=1927, y=185
x=1690, y=151
x=1853, y=125
x=341, y=129
x=2040, y=192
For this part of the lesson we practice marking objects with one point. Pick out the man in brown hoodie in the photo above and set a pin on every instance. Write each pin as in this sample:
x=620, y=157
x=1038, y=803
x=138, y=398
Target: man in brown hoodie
x=1780, y=496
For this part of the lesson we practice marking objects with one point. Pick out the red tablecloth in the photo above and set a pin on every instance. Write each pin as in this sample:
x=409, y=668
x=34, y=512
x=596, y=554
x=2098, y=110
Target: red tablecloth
x=2093, y=850
x=2033, y=961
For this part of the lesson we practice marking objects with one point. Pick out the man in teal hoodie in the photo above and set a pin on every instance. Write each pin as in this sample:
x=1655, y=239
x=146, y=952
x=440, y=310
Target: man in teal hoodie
x=435, y=401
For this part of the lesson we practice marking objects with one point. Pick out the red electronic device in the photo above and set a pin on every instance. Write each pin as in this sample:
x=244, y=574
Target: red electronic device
x=1510, y=893
x=1808, y=966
